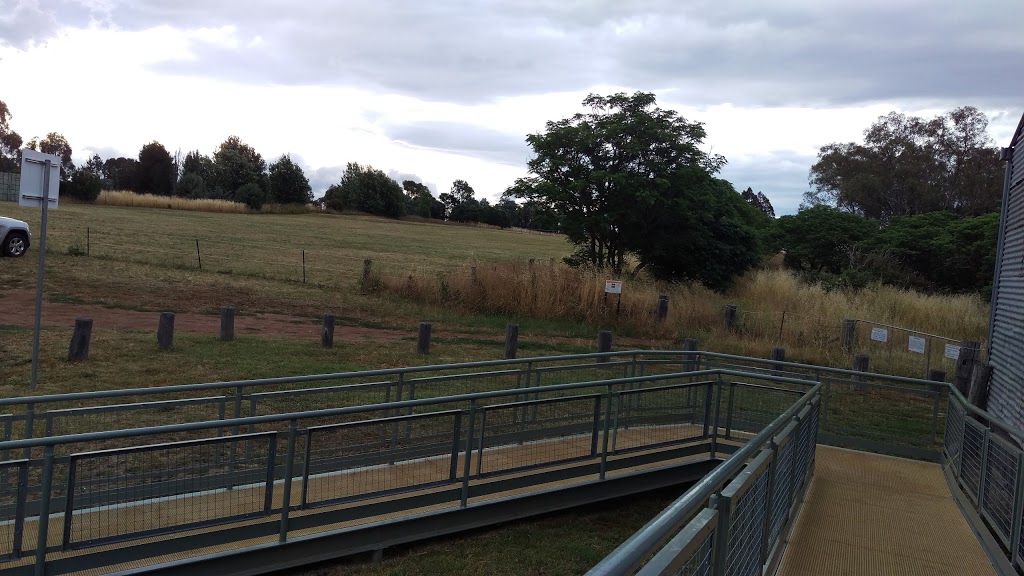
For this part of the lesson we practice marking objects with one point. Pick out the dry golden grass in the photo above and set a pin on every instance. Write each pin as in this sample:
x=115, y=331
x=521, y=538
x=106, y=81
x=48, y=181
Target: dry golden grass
x=126, y=198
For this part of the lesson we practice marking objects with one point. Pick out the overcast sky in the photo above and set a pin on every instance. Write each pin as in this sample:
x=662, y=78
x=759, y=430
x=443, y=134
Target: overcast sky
x=445, y=89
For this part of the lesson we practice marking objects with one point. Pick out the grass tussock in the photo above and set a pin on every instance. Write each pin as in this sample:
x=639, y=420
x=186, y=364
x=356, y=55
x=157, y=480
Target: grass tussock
x=125, y=198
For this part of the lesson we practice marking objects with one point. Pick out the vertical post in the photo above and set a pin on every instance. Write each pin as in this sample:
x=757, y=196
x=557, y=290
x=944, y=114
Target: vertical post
x=782, y=325
x=730, y=316
x=721, y=550
x=227, y=323
x=597, y=426
x=511, y=340
x=936, y=390
x=69, y=503
x=986, y=440
x=848, y=334
x=79, y=347
x=306, y=468
x=327, y=331
x=779, y=355
x=965, y=364
x=40, y=265
x=662, y=307
x=472, y=276
x=718, y=408
x=43, y=523
x=729, y=409
x=364, y=282
x=468, y=454
x=289, y=471
x=604, y=435
x=604, y=344
x=268, y=493
x=87, y=241
x=453, y=470
x=199, y=255
x=1018, y=511
x=303, y=265
x=423, y=338
x=861, y=362
x=19, y=509
x=165, y=331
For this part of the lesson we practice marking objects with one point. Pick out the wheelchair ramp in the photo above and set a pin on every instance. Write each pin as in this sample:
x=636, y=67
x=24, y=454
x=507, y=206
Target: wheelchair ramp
x=871, y=514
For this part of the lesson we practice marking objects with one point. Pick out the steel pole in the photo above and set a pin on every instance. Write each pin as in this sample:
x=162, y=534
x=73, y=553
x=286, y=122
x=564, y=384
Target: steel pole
x=39, y=274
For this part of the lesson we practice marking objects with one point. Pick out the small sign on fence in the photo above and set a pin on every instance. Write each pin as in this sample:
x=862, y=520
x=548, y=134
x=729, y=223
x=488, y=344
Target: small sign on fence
x=952, y=351
x=879, y=334
x=916, y=344
x=613, y=286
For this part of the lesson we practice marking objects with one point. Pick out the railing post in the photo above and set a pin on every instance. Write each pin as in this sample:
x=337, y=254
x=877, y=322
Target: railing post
x=43, y=524
x=769, y=500
x=480, y=444
x=729, y=408
x=232, y=457
x=709, y=389
x=69, y=504
x=597, y=426
x=718, y=408
x=453, y=466
x=936, y=389
x=289, y=470
x=19, y=510
x=721, y=551
x=615, y=421
x=307, y=454
x=1018, y=512
x=468, y=454
x=604, y=436
x=986, y=439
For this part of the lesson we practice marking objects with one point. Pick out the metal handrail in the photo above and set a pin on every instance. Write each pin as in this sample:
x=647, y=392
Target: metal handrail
x=634, y=550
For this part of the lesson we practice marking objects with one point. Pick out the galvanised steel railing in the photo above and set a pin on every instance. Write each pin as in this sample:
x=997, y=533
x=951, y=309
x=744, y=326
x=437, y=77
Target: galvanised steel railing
x=735, y=520
x=98, y=499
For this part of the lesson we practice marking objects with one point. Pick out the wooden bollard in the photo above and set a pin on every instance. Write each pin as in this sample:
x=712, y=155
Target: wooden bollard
x=936, y=375
x=978, y=390
x=165, y=331
x=604, y=344
x=690, y=360
x=848, y=334
x=730, y=316
x=423, y=338
x=511, y=341
x=779, y=355
x=327, y=331
x=965, y=363
x=78, y=350
x=472, y=276
x=364, y=282
x=662, y=308
x=861, y=363
x=227, y=323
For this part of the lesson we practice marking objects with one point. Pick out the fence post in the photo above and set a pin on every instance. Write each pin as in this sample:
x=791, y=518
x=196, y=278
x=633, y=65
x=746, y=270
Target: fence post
x=87, y=241
x=730, y=316
x=199, y=256
x=303, y=265
x=690, y=360
x=327, y=331
x=979, y=385
x=364, y=283
x=165, y=331
x=861, y=362
x=604, y=344
x=511, y=341
x=472, y=276
x=778, y=354
x=965, y=364
x=848, y=334
x=227, y=323
x=423, y=338
x=42, y=528
x=79, y=347
x=662, y=307
x=936, y=375
x=720, y=553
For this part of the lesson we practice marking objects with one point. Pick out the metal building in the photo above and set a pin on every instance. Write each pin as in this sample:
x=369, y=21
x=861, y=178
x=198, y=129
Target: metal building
x=1006, y=328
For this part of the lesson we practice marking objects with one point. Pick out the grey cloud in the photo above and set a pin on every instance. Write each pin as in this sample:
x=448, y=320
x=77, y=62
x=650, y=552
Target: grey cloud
x=466, y=139
x=24, y=23
x=781, y=175
x=793, y=52
x=401, y=177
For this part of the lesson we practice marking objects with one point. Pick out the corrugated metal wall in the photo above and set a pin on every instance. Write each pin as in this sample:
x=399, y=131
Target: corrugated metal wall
x=1006, y=390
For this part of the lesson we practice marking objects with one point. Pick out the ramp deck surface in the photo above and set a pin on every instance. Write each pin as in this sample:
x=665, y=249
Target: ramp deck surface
x=868, y=514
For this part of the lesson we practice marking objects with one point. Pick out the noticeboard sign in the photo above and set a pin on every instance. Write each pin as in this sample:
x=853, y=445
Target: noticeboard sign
x=613, y=286
x=33, y=165
x=879, y=334
x=916, y=344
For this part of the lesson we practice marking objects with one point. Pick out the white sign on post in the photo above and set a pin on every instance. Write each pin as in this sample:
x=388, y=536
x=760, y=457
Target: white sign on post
x=879, y=334
x=31, y=190
x=916, y=344
x=613, y=286
x=952, y=351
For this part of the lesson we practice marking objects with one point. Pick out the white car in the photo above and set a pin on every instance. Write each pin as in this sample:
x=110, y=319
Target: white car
x=16, y=237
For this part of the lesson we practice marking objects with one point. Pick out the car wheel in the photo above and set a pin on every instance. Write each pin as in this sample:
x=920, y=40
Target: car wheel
x=15, y=244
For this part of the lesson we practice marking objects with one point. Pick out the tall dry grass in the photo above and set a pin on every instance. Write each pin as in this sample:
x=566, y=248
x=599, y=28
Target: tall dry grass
x=774, y=306
x=126, y=198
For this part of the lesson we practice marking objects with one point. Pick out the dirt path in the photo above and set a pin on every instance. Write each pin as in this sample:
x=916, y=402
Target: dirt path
x=17, y=307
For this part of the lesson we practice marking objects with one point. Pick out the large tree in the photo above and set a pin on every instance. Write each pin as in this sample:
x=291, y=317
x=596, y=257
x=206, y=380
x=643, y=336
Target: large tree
x=820, y=239
x=121, y=173
x=198, y=176
x=461, y=204
x=368, y=190
x=908, y=165
x=10, y=142
x=238, y=164
x=56, y=144
x=623, y=176
x=156, y=171
x=288, y=184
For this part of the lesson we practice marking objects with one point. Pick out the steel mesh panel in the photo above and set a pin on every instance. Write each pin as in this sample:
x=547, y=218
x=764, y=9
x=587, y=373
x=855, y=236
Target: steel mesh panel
x=523, y=436
x=746, y=529
x=781, y=491
x=1000, y=486
x=132, y=493
x=953, y=436
x=655, y=417
x=805, y=444
x=970, y=474
x=700, y=563
x=9, y=474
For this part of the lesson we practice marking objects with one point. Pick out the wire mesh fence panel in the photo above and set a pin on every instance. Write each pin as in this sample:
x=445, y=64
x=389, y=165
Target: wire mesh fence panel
x=647, y=418
x=700, y=562
x=899, y=350
x=805, y=446
x=514, y=436
x=370, y=459
x=1000, y=485
x=751, y=407
x=903, y=415
x=952, y=437
x=970, y=461
x=11, y=522
x=746, y=528
x=123, y=416
x=116, y=495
